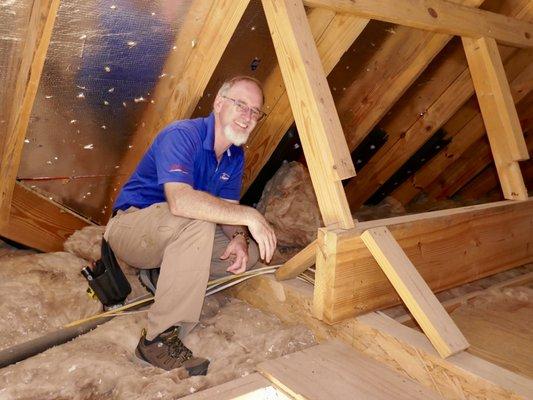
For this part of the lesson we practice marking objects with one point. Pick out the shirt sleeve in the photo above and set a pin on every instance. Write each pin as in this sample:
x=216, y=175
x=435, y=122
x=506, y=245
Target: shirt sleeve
x=232, y=188
x=174, y=156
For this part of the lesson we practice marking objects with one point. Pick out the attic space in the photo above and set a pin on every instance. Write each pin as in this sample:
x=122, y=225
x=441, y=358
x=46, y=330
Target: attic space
x=389, y=156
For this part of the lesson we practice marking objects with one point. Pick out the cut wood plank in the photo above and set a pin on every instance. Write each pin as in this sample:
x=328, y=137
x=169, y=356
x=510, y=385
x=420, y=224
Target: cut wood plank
x=334, y=370
x=192, y=71
x=448, y=248
x=323, y=142
x=438, y=16
x=298, y=264
x=251, y=387
x=461, y=376
x=499, y=114
x=414, y=291
x=467, y=133
x=38, y=34
x=333, y=34
x=37, y=222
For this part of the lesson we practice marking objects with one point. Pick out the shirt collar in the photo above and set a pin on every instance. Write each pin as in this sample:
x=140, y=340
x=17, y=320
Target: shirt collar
x=209, y=141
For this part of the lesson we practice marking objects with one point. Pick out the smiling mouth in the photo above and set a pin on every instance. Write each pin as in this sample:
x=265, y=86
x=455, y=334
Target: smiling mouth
x=241, y=125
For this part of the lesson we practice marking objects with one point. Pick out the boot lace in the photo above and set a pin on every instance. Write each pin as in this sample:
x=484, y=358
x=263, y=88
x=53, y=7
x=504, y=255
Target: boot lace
x=176, y=348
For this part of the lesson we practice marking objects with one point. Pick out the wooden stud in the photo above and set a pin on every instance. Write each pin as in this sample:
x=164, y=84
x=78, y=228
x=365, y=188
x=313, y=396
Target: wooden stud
x=333, y=34
x=192, y=71
x=481, y=240
x=321, y=135
x=36, y=43
x=298, y=264
x=437, y=16
x=38, y=222
x=414, y=291
x=499, y=114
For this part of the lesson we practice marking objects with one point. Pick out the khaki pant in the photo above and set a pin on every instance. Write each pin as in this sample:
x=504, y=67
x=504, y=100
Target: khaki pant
x=187, y=251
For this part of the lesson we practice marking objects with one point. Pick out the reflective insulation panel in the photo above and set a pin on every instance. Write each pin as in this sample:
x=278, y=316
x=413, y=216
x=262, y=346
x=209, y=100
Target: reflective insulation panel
x=103, y=62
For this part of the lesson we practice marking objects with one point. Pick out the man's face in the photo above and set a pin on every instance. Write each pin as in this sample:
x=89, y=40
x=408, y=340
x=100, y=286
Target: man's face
x=236, y=122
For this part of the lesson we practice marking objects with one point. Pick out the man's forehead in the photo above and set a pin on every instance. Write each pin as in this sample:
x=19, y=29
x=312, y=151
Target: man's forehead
x=246, y=89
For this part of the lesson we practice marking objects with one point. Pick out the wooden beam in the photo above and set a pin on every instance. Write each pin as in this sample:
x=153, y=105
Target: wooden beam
x=201, y=43
x=38, y=222
x=438, y=16
x=334, y=370
x=38, y=34
x=408, y=351
x=249, y=387
x=323, y=142
x=448, y=248
x=499, y=114
x=462, y=134
x=414, y=291
x=333, y=34
x=299, y=263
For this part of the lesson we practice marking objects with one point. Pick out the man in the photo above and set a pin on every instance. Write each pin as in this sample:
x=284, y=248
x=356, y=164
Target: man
x=179, y=211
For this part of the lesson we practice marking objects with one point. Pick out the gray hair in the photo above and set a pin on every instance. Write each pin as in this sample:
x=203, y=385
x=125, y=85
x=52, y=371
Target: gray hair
x=228, y=84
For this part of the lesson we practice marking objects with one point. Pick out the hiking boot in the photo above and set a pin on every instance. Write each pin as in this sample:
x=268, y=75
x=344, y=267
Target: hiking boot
x=167, y=351
x=148, y=278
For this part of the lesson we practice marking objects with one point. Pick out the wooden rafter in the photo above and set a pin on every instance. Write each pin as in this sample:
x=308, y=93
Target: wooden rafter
x=438, y=16
x=202, y=41
x=30, y=66
x=499, y=114
x=481, y=240
x=38, y=222
x=464, y=129
x=403, y=143
x=321, y=134
x=367, y=100
x=472, y=162
x=333, y=34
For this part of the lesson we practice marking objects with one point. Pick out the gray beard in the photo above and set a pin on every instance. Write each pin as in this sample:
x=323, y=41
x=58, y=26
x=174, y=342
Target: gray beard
x=235, y=138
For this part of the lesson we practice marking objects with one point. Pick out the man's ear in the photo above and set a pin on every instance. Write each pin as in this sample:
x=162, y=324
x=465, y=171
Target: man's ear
x=217, y=103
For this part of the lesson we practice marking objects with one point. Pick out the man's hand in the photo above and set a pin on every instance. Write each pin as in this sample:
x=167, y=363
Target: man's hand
x=238, y=249
x=263, y=234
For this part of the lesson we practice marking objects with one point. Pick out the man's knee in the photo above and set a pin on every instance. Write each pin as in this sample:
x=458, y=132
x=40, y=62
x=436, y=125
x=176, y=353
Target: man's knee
x=253, y=254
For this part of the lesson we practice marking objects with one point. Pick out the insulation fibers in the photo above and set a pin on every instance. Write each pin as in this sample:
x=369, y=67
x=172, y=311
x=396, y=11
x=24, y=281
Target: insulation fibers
x=40, y=293
x=102, y=364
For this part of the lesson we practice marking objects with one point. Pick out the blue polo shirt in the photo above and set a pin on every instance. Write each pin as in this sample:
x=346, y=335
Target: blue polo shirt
x=183, y=152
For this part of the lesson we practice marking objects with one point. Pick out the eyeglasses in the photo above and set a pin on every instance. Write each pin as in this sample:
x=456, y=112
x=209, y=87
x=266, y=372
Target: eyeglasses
x=256, y=114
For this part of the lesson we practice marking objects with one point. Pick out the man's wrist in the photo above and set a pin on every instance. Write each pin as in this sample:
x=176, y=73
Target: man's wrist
x=243, y=234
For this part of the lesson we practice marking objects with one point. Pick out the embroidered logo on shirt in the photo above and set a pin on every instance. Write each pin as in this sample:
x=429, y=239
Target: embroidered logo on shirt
x=224, y=176
x=177, y=168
